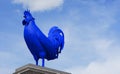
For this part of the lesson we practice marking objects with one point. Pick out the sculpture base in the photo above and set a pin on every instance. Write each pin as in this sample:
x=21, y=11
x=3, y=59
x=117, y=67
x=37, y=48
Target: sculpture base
x=33, y=69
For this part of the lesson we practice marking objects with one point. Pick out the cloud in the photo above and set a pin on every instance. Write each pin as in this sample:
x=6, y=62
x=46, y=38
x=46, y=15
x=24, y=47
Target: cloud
x=91, y=35
x=106, y=49
x=39, y=5
x=110, y=66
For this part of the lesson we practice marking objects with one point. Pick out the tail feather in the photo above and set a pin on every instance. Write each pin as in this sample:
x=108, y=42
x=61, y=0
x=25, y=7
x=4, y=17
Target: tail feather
x=58, y=35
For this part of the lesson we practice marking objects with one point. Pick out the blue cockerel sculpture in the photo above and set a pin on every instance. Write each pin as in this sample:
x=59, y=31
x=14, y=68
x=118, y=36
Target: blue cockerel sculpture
x=40, y=45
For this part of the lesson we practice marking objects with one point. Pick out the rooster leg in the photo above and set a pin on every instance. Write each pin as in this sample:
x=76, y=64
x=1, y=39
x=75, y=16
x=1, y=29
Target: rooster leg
x=37, y=62
x=43, y=62
x=42, y=54
x=36, y=59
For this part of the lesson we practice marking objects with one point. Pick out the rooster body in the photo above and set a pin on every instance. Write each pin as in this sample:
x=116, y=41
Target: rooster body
x=39, y=45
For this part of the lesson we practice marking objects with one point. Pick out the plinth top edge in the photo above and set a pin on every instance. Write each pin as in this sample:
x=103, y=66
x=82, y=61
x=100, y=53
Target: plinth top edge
x=32, y=66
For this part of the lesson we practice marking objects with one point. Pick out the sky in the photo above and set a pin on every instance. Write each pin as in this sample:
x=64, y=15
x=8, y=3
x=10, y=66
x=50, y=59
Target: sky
x=91, y=28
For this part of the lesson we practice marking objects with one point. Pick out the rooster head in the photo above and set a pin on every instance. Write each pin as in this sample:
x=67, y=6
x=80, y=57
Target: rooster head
x=27, y=17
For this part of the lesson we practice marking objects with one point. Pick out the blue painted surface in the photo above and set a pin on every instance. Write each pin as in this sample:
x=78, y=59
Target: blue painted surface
x=40, y=45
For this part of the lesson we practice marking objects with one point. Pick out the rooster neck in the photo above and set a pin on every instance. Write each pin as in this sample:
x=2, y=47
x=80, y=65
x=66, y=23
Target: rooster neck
x=31, y=27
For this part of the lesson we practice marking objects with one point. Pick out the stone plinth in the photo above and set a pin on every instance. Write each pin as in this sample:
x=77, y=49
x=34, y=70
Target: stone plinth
x=33, y=69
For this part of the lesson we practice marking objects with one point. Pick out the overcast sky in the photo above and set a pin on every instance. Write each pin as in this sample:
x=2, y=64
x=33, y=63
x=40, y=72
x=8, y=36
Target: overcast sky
x=91, y=28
